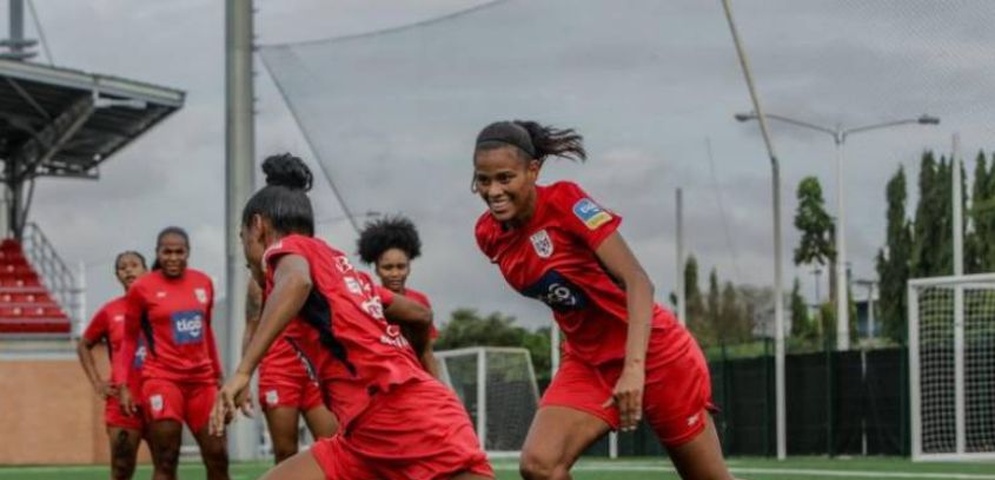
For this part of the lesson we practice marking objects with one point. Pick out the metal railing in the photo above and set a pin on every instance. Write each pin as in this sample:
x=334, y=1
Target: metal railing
x=57, y=277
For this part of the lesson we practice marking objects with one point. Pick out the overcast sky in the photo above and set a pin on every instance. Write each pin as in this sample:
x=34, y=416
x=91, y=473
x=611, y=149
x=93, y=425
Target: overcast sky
x=646, y=82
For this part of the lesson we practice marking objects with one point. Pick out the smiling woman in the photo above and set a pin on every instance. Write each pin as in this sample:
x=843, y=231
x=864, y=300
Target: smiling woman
x=624, y=355
x=171, y=309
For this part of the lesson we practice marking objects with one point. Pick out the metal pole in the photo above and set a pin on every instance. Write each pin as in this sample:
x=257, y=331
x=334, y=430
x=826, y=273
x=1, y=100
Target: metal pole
x=958, y=207
x=239, y=163
x=870, y=310
x=960, y=436
x=842, y=306
x=16, y=27
x=682, y=306
x=779, y=391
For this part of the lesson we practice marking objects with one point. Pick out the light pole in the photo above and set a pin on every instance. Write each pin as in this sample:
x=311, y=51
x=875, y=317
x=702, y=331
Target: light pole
x=840, y=135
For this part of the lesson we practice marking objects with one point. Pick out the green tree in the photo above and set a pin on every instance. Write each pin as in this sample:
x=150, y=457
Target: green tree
x=932, y=249
x=714, y=313
x=802, y=327
x=467, y=328
x=816, y=245
x=733, y=317
x=979, y=248
x=697, y=320
x=893, y=261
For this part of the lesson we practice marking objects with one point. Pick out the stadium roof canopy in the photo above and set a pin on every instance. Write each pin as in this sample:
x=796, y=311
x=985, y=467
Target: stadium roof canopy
x=64, y=123
x=61, y=122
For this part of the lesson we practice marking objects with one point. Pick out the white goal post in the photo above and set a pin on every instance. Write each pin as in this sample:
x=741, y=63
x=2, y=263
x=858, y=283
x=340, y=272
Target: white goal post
x=497, y=385
x=952, y=367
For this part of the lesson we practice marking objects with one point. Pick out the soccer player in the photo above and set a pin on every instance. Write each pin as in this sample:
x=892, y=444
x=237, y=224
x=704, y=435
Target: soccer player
x=624, y=356
x=171, y=308
x=389, y=245
x=397, y=422
x=107, y=326
x=286, y=389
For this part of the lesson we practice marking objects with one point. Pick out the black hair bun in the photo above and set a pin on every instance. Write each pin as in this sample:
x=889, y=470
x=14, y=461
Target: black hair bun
x=286, y=170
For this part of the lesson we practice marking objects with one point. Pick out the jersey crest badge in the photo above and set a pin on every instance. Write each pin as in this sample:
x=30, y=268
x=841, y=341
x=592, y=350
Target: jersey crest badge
x=542, y=244
x=591, y=214
x=201, y=294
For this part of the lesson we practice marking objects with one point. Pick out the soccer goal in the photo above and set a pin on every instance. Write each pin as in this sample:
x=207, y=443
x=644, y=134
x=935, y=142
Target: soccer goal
x=952, y=367
x=498, y=387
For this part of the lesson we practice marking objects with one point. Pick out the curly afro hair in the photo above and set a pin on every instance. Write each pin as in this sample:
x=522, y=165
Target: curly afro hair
x=386, y=233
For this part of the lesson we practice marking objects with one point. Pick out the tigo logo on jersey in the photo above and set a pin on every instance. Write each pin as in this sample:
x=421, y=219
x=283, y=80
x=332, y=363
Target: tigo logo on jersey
x=188, y=327
x=156, y=402
x=556, y=291
x=201, y=294
x=542, y=244
x=591, y=214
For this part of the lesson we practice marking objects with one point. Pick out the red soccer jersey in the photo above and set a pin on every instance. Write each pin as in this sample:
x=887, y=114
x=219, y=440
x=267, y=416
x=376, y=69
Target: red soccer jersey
x=174, y=315
x=356, y=353
x=387, y=296
x=552, y=259
x=108, y=325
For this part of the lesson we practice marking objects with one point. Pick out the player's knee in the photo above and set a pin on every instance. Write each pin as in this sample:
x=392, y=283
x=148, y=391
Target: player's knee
x=536, y=467
x=167, y=459
x=122, y=468
x=283, y=452
x=216, y=458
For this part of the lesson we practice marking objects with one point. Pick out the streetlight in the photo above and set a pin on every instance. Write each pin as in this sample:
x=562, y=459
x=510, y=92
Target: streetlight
x=840, y=135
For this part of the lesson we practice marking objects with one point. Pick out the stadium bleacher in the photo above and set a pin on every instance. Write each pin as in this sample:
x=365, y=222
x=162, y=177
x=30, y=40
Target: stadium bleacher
x=26, y=306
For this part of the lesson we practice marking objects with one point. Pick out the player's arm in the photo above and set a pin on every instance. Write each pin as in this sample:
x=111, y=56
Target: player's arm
x=623, y=266
x=428, y=360
x=291, y=286
x=126, y=357
x=407, y=312
x=253, y=308
x=84, y=350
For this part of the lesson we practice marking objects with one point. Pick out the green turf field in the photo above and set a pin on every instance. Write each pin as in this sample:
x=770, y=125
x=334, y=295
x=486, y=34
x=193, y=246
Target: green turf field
x=638, y=469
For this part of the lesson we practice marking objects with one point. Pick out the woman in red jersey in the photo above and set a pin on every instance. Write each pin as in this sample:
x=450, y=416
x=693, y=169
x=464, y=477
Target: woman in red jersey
x=107, y=326
x=624, y=356
x=397, y=422
x=390, y=244
x=287, y=389
x=171, y=308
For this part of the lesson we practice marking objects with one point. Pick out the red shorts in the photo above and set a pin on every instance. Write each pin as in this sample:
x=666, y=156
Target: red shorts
x=676, y=398
x=115, y=418
x=185, y=402
x=419, y=430
x=296, y=391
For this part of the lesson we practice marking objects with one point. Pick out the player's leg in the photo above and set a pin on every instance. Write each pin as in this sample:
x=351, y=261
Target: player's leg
x=165, y=437
x=321, y=422
x=677, y=398
x=701, y=458
x=301, y=466
x=124, y=451
x=556, y=439
x=282, y=425
x=163, y=403
x=319, y=419
x=213, y=449
x=571, y=417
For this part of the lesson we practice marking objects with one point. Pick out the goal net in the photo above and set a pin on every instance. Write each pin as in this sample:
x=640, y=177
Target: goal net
x=498, y=387
x=952, y=367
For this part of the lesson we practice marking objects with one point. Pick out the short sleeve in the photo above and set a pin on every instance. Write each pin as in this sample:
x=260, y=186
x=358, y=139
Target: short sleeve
x=286, y=246
x=386, y=296
x=97, y=329
x=582, y=216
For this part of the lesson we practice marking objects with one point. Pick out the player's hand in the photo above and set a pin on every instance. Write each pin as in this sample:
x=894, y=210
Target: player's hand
x=244, y=403
x=628, y=397
x=128, y=406
x=105, y=390
x=225, y=404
